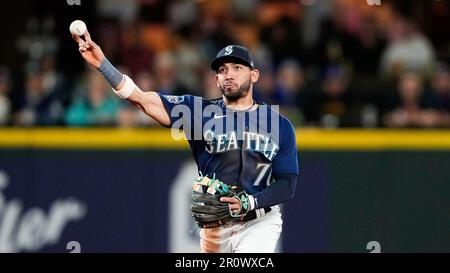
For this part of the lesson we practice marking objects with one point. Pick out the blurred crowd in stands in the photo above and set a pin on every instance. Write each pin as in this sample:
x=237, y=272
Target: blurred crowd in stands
x=332, y=64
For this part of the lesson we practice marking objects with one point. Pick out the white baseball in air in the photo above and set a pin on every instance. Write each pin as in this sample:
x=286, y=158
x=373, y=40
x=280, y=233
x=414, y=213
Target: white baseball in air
x=78, y=27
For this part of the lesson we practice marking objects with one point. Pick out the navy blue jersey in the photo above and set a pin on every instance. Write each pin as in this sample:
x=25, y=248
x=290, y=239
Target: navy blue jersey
x=242, y=148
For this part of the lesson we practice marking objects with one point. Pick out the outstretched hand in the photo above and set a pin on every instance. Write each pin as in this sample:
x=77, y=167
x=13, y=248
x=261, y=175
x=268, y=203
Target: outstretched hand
x=90, y=51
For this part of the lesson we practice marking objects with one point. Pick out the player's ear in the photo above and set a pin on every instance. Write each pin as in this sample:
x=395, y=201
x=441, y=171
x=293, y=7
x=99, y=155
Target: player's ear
x=217, y=80
x=254, y=75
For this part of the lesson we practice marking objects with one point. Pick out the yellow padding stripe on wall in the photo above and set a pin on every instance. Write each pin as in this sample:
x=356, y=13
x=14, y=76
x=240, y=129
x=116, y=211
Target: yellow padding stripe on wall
x=307, y=139
x=90, y=138
x=319, y=139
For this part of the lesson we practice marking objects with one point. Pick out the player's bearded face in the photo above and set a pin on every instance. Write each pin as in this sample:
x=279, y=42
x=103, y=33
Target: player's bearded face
x=233, y=91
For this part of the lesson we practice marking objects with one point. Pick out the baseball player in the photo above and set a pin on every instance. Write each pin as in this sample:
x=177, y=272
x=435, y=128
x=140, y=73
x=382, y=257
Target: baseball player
x=249, y=145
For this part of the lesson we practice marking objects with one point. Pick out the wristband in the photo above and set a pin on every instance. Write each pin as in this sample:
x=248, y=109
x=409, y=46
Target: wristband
x=111, y=74
x=127, y=88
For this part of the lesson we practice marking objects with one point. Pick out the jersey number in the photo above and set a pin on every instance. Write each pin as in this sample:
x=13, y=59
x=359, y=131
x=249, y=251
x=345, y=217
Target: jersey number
x=263, y=169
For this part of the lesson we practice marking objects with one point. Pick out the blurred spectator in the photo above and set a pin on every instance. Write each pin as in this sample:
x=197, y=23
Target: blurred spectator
x=411, y=109
x=38, y=38
x=182, y=13
x=190, y=61
x=284, y=40
x=242, y=9
x=440, y=93
x=440, y=86
x=290, y=92
x=335, y=106
x=128, y=115
x=126, y=11
x=134, y=54
x=407, y=50
x=214, y=25
x=164, y=68
x=5, y=103
x=39, y=105
x=52, y=79
x=109, y=35
x=265, y=87
x=96, y=106
x=334, y=39
x=365, y=48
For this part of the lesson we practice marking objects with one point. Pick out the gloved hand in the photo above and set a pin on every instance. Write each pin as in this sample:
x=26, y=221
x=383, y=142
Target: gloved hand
x=209, y=211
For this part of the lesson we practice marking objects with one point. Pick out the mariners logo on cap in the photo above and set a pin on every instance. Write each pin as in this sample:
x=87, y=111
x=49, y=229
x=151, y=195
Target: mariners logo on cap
x=228, y=50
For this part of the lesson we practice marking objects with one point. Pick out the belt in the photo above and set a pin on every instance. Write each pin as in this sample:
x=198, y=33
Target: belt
x=256, y=213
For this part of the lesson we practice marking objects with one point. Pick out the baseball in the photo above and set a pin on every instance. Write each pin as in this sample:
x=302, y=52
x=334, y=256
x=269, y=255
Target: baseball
x=78, y=27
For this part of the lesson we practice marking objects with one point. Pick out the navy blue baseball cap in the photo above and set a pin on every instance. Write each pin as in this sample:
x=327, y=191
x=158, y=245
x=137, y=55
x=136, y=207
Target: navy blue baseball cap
x=233, y=54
